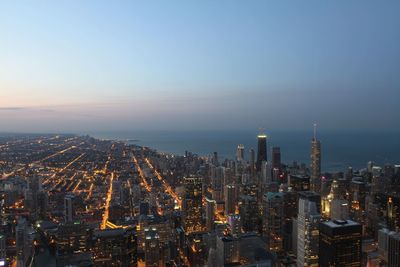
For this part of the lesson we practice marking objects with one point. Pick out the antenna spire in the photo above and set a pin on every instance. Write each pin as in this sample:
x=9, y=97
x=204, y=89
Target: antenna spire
x=315, y=131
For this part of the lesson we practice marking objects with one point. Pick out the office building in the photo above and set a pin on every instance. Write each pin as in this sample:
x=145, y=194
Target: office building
x=340, y=243
x=276, y=157
x=273, y=220
x=227, y=250
x=210, y=213
x=192, y=204
x=394, y=249
x=261, y=151
x=152, y=247
x=71, y=238
x=240, y=152
x=252, y=160
x=69, y=209
x=230, y=199
x=23, y=246
x=308, y=220
x=115, y=247
x=249, y=213
x=3, y=249
x=235, y=225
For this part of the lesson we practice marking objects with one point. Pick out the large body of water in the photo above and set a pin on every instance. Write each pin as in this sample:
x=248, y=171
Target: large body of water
x=339, y=149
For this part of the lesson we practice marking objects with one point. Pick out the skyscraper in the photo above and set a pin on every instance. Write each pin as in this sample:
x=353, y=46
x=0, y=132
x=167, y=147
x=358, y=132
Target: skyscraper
x=230, y=199
x=273, y=220
x=249, y=213
x=234, y=224
x=192, y=204
x=276, y=157
x=394, y=249
x=240, y=152
x=252, y=160
x=3, y=249
x=307, y=225
x=22, y=242
x=152, y=247
x=210, y=213
x=262, y=150
x=340, y=243
x=227, y=250
x=69, y=211
x=35, y=197
x=115, y=247
x=315, y=165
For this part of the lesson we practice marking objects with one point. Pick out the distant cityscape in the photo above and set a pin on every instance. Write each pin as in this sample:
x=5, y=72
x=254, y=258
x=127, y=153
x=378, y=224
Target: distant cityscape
x=71, y=200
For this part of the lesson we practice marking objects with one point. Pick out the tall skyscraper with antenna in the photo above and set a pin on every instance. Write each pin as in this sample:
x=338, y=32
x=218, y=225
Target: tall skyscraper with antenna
x=315, y=165
x=262, y=150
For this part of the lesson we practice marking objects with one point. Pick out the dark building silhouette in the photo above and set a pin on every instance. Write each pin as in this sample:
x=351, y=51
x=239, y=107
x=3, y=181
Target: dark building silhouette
x=262, y=150
x=276, y=157
x=115, y=247
x=340, y=243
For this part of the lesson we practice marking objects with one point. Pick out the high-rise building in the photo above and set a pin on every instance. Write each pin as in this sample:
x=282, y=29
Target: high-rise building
x=71, y=239
x=308, y=219
x=35, y=198
x=3, y=249
x=276, y=157
x=230, y=199
x=152, y=247
x=394, y=249
x=115, y=247
x=266, y=172
x=69, y=209
x=261, y=151
x=252, y=160
x=23, y=245
x=217, y=175
x=315, y=165
x=340, y=243
x=383, y=244
x=240, y=152
x=298, y=182
x=234, y=224
x=290, y=210
x=227, y=250
x=192, y=204
x=249, y=213
x=273, y=220
x=214, y=159
x=210, y=213
x=339, y=209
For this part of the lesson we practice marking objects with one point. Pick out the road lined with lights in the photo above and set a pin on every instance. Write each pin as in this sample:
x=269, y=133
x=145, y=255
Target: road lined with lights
x=108, y=201
x=142, y=175
x=49, y=179
x=165, y=184
x=6, y=175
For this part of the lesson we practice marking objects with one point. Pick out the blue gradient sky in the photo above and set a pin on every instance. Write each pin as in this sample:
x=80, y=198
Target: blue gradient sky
x=82, y=66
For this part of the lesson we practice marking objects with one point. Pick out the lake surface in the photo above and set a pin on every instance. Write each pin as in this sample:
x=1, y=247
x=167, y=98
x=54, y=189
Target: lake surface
x=339, y=149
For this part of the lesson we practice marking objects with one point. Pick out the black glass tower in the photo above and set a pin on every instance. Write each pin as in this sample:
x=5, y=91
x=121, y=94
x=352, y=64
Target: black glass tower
x=262, y=150
x=340, y=243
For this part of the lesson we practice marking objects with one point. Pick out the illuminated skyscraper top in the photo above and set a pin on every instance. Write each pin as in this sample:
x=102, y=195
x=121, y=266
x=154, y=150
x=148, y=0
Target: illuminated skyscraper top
x=315, y=165
x=262, y=150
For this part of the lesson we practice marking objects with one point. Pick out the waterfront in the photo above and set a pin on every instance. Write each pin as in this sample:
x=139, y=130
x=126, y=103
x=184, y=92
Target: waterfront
x=339, y=149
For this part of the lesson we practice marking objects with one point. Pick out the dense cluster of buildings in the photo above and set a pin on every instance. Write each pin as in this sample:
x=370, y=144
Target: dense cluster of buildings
x=78, y=201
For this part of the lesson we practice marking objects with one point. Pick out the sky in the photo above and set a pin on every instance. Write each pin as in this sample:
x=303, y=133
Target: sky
x=86, y=66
